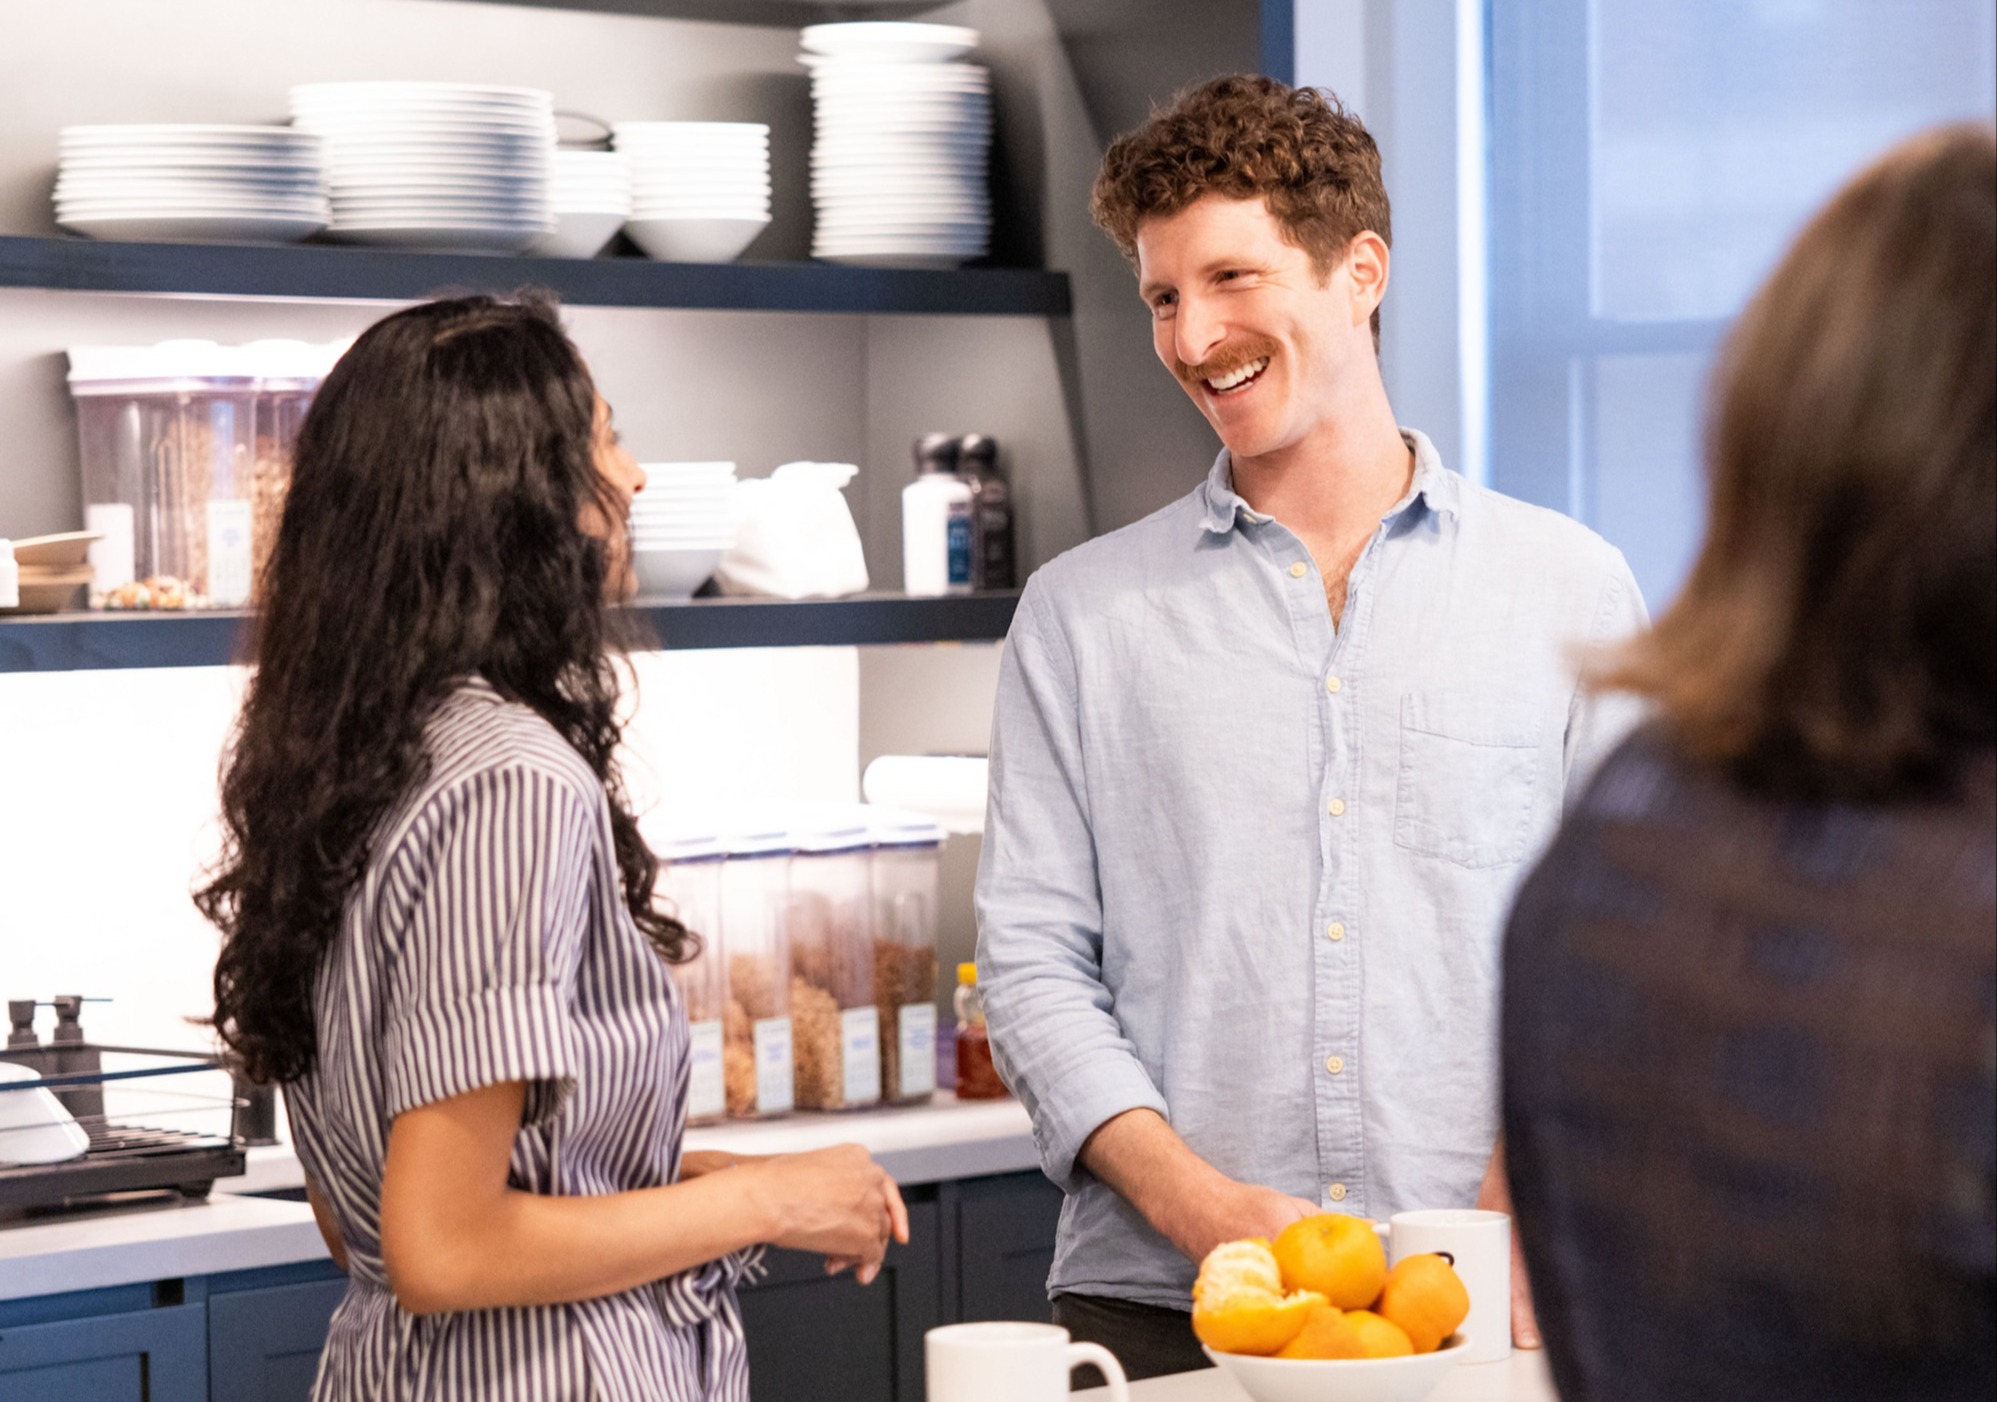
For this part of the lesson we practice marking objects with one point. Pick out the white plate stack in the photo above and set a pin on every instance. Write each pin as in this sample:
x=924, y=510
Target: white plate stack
x=898, y=169
x=461, y=167
x=592, y=199
x=178, y=183
x=700, y=191
x=681, y=526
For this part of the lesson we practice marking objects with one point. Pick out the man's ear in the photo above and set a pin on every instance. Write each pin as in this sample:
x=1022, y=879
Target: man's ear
x=1366, y=266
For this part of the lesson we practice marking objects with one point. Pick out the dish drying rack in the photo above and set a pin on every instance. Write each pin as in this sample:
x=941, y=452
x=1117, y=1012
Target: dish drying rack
x=171, y=1139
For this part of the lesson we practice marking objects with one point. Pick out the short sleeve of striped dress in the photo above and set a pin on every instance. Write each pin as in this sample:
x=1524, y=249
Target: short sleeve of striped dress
x=489, y=942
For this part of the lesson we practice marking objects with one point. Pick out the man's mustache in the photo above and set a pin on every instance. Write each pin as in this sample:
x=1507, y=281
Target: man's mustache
x=1226, y=360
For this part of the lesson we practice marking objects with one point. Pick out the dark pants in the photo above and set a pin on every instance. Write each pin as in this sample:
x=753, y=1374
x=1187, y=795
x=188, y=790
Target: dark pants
x=1148, y=1340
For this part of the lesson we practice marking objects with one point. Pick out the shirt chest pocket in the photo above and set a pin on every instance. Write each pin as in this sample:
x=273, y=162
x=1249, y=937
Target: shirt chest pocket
x=1469, y=773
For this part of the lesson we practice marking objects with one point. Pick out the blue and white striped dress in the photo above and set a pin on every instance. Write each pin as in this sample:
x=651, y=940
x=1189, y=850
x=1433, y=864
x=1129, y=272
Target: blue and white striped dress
x=488, y=941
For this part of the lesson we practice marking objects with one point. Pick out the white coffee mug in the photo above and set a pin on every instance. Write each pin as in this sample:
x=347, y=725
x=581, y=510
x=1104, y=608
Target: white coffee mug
x=1479, y=1245
x=1004, y=1362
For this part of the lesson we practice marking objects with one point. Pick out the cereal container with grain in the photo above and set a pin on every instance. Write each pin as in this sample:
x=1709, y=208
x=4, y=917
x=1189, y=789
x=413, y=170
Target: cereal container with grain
x=834, y=1019
x=756, y=1051
x=186, y=449
x=690, y=882
x=904, y=879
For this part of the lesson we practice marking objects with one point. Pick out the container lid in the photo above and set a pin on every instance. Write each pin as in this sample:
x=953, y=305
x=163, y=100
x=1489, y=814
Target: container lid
x=678, y=851
x=832, y=838
x=898, y=827
x=742, y=845
x=102, y=369
x=935, y=452
x=967, y=973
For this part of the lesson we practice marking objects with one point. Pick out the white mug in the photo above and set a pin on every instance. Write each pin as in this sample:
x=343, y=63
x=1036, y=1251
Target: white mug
x=1001, y=1362
x=1479, y=1245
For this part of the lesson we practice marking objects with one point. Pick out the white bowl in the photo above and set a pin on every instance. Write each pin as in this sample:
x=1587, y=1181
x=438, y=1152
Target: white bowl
x=695, y=240
x=1407, y=1379
x=578, y=234
x=674, y=574
x=34, y=1126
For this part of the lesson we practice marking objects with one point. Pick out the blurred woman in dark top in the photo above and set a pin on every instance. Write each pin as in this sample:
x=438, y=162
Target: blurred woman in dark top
x=1750, y=1017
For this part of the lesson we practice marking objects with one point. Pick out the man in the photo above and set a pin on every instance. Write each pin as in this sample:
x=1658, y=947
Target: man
x=1267, y=765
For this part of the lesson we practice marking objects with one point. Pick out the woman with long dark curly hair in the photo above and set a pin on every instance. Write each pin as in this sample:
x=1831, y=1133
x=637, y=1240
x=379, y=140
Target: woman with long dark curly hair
x=440, y=934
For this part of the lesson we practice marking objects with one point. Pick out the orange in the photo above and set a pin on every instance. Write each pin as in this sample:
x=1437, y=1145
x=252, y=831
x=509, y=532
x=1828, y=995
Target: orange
x=1338, y=1256
x=1425, y=1296
x=1238, y=1301
x=1363, y=1334
x=1317, y=1338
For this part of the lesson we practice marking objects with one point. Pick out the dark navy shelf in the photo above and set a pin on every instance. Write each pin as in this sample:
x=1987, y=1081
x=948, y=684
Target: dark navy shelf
x=70, y=642
x=372, y=274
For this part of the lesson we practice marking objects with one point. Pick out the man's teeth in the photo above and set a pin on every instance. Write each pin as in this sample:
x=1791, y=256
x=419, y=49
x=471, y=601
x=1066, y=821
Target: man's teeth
x=1239, y=376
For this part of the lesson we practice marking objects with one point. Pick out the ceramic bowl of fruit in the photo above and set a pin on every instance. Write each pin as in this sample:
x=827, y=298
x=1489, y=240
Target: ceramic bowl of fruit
x=1317, y=1316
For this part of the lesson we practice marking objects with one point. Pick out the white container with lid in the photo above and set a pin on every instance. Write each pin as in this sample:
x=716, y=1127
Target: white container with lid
x=835, y=1021
x=757, y=1055
x=10, y=577
x=907, y=847
x=690, y=883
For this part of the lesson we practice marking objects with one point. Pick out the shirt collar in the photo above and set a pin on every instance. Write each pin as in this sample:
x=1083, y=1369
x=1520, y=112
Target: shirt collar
x=1439, y=489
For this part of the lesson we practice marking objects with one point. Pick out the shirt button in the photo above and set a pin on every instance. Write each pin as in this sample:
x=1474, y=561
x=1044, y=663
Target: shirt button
x=1338, y=808
x=1333, y=685
x=1297, y=570
x=1336, y=1192
x=1334, y=931
x=1334, y=1064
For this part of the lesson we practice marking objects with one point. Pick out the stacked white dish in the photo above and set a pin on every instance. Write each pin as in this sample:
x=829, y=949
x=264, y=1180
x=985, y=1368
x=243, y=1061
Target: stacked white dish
x=681, y=526
x=177, y=182
x=449, y=166
x=591, y=199
x=700, y=191
x=898, y=169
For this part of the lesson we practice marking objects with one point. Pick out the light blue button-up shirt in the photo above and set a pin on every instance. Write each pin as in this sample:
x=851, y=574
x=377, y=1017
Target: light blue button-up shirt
x=1250, y=871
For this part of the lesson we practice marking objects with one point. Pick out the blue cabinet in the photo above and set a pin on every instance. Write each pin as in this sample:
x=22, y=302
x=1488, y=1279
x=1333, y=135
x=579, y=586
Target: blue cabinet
x=265, y=1332
x=149, y=1355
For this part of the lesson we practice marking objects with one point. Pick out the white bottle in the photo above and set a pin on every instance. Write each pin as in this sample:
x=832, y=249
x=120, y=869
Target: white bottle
x=10, y=577
x=936, y=522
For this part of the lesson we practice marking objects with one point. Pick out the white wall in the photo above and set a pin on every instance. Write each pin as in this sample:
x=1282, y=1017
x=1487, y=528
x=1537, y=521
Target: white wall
x=108, y=804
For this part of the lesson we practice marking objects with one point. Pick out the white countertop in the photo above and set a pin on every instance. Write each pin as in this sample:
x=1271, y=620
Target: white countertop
x=932, y=1143
x=1523, y=1379
x=120, y=1246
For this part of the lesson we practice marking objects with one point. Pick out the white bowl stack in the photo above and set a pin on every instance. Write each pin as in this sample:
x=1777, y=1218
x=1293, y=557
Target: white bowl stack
x=592, y=199
x=681, y=526
x=700, y=191
x=463, y=167
x=898, y=169
x=177, y=182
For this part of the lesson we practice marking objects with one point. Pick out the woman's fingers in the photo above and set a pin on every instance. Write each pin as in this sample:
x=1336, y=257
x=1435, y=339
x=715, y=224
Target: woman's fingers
x=897, y=1211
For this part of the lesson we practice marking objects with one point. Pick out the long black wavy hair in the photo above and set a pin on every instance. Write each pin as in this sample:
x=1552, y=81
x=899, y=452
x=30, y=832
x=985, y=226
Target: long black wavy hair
x=433, y=531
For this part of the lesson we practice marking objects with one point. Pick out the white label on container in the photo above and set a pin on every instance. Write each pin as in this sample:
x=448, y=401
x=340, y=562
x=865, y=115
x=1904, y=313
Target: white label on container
x=775, y=1093
x=229, y=553
x=707, y=1087
x=860, y=1045
x=918, y=1049
x=114, y=559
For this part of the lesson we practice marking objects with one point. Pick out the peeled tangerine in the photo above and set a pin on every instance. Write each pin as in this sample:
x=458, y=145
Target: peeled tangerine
x=1238, y=1301
x=1338, y=1256
x=1426, y=1297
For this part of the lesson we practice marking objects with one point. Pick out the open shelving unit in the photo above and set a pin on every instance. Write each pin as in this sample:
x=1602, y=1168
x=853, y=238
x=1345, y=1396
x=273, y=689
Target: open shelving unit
x=70, y=642
x=368, y=274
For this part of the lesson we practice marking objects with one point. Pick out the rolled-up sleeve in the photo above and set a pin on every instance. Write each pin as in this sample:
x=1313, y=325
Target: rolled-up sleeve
x=482, y=987
x=1599, y=721
x=1039, y=902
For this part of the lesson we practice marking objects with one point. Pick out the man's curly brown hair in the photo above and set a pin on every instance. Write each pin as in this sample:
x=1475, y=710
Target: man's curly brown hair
x=1239, y=137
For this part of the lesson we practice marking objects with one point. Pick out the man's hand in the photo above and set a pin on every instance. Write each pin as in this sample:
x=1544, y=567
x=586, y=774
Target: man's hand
x=1186, y=1200
x=1496, y=1196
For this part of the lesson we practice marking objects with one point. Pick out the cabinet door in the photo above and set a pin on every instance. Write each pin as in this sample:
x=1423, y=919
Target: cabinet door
x=1004, y=1239
x=156, y=1355
x=263, y=1344
x=819, y=1339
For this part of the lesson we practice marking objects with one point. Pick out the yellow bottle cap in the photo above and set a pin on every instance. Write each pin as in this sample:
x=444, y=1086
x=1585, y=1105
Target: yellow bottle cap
x=967, y=973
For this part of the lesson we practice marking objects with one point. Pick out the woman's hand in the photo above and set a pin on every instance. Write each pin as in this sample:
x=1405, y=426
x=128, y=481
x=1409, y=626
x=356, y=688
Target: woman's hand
x=836, y=1201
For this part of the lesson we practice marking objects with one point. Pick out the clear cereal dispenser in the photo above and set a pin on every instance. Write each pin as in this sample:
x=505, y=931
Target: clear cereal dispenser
x=834, y=1020
x=690, y=882
x=756, y=1051
x=906, y=851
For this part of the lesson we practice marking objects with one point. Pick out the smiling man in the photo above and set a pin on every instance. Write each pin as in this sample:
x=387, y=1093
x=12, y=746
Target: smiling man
x=1267, y=765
